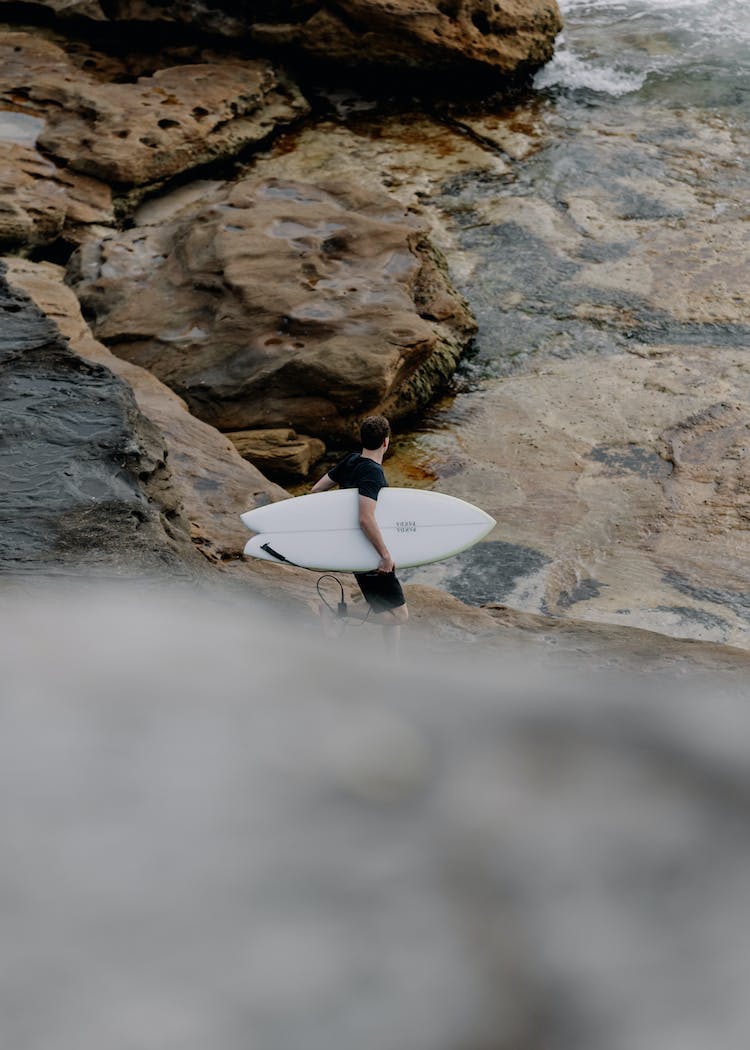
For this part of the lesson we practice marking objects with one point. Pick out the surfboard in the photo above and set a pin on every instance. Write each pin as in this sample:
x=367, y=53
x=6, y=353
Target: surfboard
x=321, y=530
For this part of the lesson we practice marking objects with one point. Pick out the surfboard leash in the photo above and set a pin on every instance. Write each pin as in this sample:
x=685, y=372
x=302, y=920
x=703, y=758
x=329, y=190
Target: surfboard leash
x=340, y=612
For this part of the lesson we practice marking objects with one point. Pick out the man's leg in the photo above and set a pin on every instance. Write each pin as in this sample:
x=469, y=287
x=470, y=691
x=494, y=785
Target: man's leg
x=391, y=620
x=386, y=606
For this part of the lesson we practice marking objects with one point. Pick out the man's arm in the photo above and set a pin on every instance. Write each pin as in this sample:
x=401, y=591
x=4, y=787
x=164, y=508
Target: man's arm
x=371, y=529
x=325, y=483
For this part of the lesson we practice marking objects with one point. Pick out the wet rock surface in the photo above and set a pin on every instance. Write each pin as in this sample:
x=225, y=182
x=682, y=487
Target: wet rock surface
x=609, y=236
x=610, y=478
x=208, y=477
x=276, y=303
x=605, y=414
x=85, y=481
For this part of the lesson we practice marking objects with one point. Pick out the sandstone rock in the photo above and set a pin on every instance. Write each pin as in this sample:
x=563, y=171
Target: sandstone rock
x=620, y=486
x=212, y=483
x=86, y=486
x=278, y=452
x=607, y=425
x=133, y=134
x=471, y=36
x=33, y=206
x=41, y=202
x=410, y=156
x=281, y=304
x=505, y=39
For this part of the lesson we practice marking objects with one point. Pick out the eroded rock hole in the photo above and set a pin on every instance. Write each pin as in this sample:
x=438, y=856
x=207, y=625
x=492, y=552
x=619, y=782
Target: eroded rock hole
x=449, y=8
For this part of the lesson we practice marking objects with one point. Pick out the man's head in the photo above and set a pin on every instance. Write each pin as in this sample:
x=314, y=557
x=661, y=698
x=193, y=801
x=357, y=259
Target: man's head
x=373, y=431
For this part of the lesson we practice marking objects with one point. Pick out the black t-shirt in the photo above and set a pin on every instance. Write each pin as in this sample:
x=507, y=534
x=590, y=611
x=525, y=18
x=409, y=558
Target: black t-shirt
x=356, y=472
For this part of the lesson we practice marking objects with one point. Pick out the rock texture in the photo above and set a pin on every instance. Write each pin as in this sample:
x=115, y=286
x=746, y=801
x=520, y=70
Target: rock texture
x=211, y=482
x=621, y=490
x=507, y=38
x=40, y=202
x=85, y=483
x=606, y=424
x=282, y=453
x=278, y=304
x=134, y=134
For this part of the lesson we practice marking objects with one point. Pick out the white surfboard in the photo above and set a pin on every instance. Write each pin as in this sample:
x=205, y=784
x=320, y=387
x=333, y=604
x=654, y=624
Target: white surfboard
x=321, y=531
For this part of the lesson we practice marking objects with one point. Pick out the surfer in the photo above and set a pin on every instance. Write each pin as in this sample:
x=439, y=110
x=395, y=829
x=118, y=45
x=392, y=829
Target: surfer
x=364, y=471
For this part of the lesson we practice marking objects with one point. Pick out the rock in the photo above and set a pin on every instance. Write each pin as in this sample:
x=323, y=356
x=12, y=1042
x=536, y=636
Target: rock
x=193, y=13
x=134, y=134
x=41, y=202
x=33, y=206
x=474, y=36
x=621, y=489
x=222, y=825
x=467, y=36
x=518, y=133
x=280, y=452
x=607, y=425
x=280, y=304
x=86, y=486
x=213, y=484
x=90, y=9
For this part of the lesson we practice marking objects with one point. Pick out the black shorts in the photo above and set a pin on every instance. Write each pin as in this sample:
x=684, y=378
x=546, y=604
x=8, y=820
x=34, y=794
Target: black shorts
x=382, y=590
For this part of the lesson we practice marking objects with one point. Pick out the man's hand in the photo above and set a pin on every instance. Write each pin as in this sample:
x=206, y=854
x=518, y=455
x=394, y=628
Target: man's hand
x=386, y=564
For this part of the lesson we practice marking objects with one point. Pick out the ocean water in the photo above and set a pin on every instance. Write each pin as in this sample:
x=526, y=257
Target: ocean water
x=686, y=49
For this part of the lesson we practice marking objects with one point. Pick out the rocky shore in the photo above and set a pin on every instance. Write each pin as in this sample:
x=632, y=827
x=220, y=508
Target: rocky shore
x=271, y=309
x=218, y=256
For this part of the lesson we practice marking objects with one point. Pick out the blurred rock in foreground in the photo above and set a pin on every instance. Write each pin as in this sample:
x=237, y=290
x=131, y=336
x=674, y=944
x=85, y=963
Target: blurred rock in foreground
x=247, y=838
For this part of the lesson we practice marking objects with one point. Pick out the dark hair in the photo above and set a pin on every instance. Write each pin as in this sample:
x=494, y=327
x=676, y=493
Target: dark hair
x=373, y=431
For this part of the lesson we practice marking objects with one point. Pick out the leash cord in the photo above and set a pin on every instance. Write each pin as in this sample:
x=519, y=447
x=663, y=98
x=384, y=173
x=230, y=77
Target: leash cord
x=340, y=611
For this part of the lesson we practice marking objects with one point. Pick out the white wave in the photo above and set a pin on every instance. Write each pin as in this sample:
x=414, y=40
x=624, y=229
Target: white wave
x=569, y=71
x=646, y=5
x=613, y=46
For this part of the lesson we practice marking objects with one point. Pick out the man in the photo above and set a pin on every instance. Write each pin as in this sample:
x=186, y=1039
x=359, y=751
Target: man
x=364, y=471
